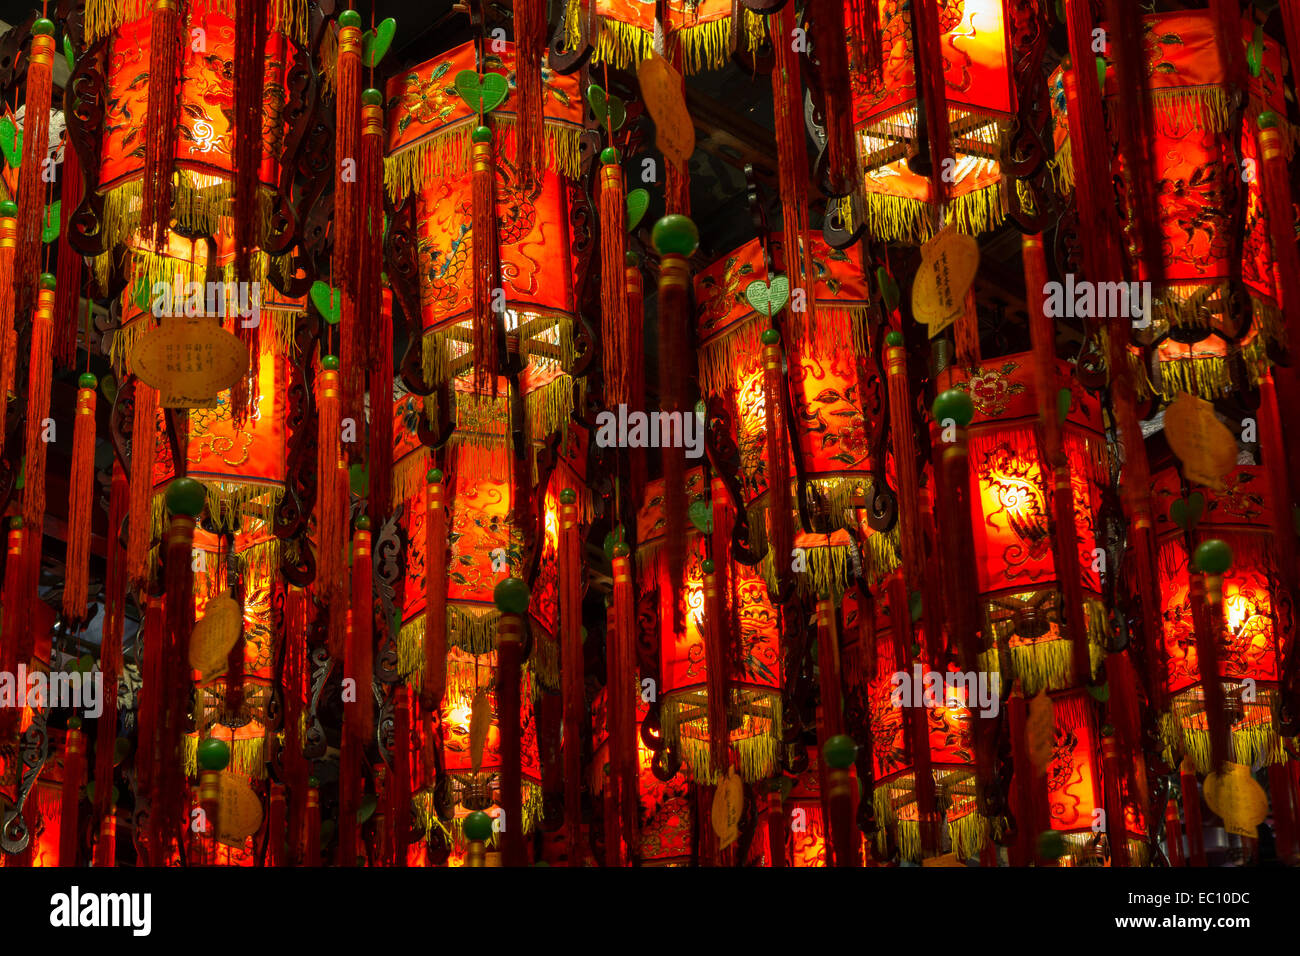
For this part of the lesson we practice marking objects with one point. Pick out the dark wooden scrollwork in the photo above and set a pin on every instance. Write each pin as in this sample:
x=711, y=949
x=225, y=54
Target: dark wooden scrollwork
x=562, y=59
x=85, y=98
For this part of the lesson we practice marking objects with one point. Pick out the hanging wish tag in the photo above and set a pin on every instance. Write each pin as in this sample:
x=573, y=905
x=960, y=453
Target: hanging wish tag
x=948, y=265
x=1238, y=798
x=214, y=635
x=1202, y=443
x=190, y=361
x=728, y=801
x=661, y=88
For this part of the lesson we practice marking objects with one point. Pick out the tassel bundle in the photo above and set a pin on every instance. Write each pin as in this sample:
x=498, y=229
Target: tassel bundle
x=622, y=698
x=67, y=296
x=634, y=303
x=828, y=669
x=380, y=437
x=347, y=153
x=483, y=259
x=401, y=789
x=370, y=249
x=40, y=375
x=293, y=638
x=331, y=502
x=530, y=44
x=166, y=41
x=510, y=645
x=312, y=836
x=863, y=22
x=675, y=238
x=780, y=533
x=151, y=690
x=928, y=61
x=903, y=446
x=1113, y=801
x=36, y=140
x=613, y=667
x=351, y=748
x=110, y=650
x=361, y=716
x=80, y=502
x=571, y=666
x=186, y=499
x=434, y=682
x=617, y=357
x=144, y=441
x=106, y=845
x=8, y=335
x=1206, y=594
x=74, y=766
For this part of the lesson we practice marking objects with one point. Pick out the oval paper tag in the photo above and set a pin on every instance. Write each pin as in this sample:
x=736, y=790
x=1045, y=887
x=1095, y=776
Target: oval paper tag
x=1238, y=798
x=661, y=88
x=190, y=361
x=214, y=635
x=727, y=804
x=1202, y=443
x=948, y=265
x=240, y=813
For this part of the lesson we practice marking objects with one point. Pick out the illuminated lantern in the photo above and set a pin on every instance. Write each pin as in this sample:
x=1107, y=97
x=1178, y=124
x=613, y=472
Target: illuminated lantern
x=1018, y=573
x=981, y=98
x=1258, y=622
x=828, y=368
x=753, y=697
x=204, y=137
x=914, y=741
x=622, y=32
x=807, y=839
x=429, y=125
x=1193, y=341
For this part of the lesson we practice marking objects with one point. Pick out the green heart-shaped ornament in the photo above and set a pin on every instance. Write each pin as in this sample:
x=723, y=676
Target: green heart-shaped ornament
x=53, y=219
x=11, y=142
x=597, y=101
x=1186, y=512
x=359, y=479
x=483, y=93
x=1255, y=52
x=701, y=513
x=612, y=539
x=328, y=302
x=69, y=53
x=1100, y=692
x=375, y=45
x=638, y=201
x=1063, y=400
x=768, y=298
x=888, y=288
x=617, y=112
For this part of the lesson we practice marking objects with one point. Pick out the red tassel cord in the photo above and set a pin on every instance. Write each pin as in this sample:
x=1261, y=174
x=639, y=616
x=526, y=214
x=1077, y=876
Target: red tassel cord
x=1192, y=814
x=8, y=336
x=151, y=690
x=361, y=715
x=780, y=532
x=293, y=636
x=717, y=656
x=677, y=179
x=312, y=840
x=510, y=638
x=530, y=44
x=863, y=22
x=828, y=669
x=380, y=438
x=1291, y=29
x=1065, y=541
x=1206, y=593
x=106, y=845
x=74, y=768
x=1113, y=798
x=1174, y=834
x=169, y=820
x=401, y=776
x=1275, y=184
x=371, y=237
x=69, y=265
x=110, y=647
x=434, y=683
x=616, y=341
x=40, y=375
x=31, y=185
x=144, y=446
x=483, y=260
x=1227, y=20
x=250, y=70
x=622, y=699
x=331, y=503
x=13, y=624
x=167, y=37
x=571, y=667
x=275, y=827
x=832, y=54
x=792, y=166
x=675, y=239
x=80, y=501
x=351, y=749
x=634, y=302
x=934, y=94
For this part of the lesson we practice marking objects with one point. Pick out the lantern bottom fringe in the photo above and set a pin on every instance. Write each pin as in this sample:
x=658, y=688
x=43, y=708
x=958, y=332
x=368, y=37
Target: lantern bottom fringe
x=426, y=818
x=473, y=632
x=447, y=152
x=277, y=328
x=1253, y=739
x=103, y=16
x=911, y=221
x=1079, y=850
x=441, y=347
x=247, y=756
x=755, y=745
x=1209, y=378
x=1061, y=168
x=705, y=46
x=1047, y=664
x=967, y=830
